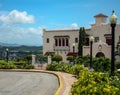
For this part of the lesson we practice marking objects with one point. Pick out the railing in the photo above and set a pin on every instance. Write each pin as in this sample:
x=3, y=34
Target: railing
x=63, y=48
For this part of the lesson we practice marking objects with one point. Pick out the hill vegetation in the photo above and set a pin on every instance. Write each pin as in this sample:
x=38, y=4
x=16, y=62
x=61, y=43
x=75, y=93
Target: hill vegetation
x=20, y=51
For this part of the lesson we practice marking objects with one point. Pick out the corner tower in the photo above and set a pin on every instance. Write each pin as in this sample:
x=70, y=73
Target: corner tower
x=100, y=19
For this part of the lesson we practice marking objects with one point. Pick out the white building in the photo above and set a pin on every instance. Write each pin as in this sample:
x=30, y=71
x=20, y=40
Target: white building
x=61, y=41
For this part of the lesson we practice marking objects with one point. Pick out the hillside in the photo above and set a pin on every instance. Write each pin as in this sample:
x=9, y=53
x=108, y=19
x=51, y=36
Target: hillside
x=20, y=51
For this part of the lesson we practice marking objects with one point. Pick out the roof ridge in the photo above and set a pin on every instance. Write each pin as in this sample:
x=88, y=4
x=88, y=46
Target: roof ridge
x=100, y=15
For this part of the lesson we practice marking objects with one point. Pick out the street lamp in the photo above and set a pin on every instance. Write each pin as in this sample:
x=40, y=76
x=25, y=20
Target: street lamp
x=7, y=54
x=73, y=47
x=113, y=21
x=73, y=52
x=91, y=43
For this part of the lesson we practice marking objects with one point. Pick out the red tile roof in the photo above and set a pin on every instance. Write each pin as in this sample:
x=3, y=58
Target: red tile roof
x=49, y=53
x=72, y=54
x=100, y=15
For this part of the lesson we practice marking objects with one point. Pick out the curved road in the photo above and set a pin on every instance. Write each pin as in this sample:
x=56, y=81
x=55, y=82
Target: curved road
x=27, y=83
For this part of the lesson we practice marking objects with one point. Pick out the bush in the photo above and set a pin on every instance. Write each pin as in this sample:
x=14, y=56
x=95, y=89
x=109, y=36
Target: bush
x=85, y=60
x=76, y=69
x=117, y=65
x=57, y=58
x=5, y=65
x=52, y=66
x=70, y=58
x=29, y=66
x=59, y=67
x=101, y=64
x=19, y=63
x=95, y=83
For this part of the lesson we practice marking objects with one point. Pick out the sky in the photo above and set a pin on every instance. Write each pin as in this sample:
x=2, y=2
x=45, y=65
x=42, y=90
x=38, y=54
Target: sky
x=22, y=21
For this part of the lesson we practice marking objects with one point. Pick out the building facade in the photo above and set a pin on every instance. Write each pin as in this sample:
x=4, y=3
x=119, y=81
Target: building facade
x=61, y=41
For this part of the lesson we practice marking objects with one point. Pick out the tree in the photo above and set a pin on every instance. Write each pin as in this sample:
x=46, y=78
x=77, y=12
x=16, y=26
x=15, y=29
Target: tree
x=41, y=58
x=82, y=40
x=57, y=58
x=29, y=58
x=70, y=58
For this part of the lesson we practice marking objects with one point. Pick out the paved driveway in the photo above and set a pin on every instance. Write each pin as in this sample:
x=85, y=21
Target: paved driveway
x=27, y=83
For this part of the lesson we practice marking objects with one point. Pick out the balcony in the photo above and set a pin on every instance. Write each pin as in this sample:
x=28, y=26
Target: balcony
x=61, y=48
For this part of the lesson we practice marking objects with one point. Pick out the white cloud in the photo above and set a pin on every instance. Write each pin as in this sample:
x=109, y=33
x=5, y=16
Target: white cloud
x=22, y=36
x=66, y=27
x=16, y=17
x=74, y=26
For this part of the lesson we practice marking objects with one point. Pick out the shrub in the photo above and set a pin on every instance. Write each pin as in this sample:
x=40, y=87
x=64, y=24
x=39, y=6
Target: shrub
x=57, y=58
x=101, y=64
x=5, y=65
x=29, y=66
x=76, y=69
x=29, y=58
x=59, y=67
x=117, y=65
x=70, y=58
x=67, y=68
x=52, y=66
x=95, y=83
x=85, y=60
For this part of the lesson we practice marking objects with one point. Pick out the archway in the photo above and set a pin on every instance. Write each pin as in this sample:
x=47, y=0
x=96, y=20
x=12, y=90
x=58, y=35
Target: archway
x=100, y=54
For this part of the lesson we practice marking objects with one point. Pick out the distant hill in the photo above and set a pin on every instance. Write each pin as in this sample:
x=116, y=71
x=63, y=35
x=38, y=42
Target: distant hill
x=22, y=48
x=20, y=51
x=6, y=44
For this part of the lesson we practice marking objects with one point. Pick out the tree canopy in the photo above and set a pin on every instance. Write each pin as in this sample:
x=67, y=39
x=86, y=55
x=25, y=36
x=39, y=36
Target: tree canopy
x=82, y=40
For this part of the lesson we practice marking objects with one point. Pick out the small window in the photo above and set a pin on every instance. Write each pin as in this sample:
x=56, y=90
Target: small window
x=87, y=42
x=76, y=40
x=67, y=41
x=109, y=41
x=47, y=40
x=96, y=39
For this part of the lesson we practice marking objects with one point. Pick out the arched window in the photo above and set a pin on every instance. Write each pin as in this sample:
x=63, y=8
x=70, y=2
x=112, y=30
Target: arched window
x=59, y=42
x=67, y=41
x=63, y=42
x=56, y=42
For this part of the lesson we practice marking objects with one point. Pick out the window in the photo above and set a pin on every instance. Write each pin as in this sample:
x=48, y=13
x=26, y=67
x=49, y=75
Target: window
x=67, y=42
x=96, y=39
x=87, y=42
x=59, y=42
x=56, y=42
x=47, y=40
x=63, y=42
x=76, y=40
x=109, y=41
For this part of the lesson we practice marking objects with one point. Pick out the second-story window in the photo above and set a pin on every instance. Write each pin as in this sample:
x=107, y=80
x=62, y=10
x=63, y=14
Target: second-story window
x=59, y=42
x=63, y=42
x=56, y=42
x=67, y=41
x=76, y=40
x=96, y=39
x=47, y=40
x=109, y=41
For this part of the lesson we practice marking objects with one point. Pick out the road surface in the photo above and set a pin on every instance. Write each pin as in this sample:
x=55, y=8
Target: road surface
x=27, y=83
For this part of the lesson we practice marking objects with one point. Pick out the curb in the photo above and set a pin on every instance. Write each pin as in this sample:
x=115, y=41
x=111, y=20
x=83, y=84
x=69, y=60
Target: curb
x=42, y=71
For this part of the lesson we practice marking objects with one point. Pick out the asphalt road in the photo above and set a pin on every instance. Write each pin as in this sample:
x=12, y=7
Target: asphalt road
x=27, y=83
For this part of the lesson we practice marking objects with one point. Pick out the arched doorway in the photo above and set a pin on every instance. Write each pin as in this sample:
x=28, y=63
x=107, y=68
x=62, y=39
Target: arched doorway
x=100, y=54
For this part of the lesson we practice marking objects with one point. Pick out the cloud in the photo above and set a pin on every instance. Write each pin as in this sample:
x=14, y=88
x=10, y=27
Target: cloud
x=20, y=35
x=74, y=26
x=16, y=17
x=63, y=26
